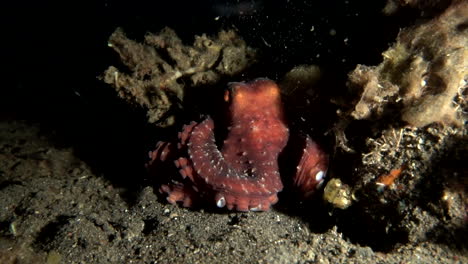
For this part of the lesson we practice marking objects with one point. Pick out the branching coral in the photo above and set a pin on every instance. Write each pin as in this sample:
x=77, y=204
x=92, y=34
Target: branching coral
x=411, y=151
x=156, y=65
x=422, y=74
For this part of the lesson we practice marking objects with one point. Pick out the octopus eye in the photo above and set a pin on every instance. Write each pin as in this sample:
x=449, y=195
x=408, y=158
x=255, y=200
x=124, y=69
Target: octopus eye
x=221, y=202
x=319, y=176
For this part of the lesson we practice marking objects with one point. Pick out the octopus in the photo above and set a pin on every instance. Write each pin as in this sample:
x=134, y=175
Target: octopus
x=240, y=172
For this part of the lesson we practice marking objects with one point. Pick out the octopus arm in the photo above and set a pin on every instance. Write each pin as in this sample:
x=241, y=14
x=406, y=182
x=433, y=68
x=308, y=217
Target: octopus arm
x=312, y=168
x=231, y=187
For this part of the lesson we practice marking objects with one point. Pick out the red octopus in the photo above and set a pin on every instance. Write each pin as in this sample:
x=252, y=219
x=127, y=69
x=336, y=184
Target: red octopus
x=243, y=175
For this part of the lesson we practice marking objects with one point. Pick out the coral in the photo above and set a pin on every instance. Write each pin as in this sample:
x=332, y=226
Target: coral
x=300, y=78
x=406, y=128
x=426, y=6
x=337, y=194
x=421, y=75
x=156, y=67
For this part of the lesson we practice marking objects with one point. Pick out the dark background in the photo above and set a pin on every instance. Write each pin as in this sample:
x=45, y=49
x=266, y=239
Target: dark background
x=52, y=53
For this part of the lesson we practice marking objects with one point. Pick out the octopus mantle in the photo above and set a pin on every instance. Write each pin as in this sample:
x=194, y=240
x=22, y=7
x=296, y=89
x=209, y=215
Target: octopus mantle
x=243, y=174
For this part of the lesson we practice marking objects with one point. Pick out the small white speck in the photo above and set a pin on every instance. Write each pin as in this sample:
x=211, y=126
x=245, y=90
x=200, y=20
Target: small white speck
x=244, y=189
x=423, y=82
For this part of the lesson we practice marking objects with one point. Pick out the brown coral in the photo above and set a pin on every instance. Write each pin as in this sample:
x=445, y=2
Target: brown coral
x=156, y=65
x=423, y=72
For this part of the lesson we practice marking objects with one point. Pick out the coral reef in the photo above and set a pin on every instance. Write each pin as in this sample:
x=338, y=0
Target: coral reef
x=421, y=75
x=158, y=66
x=404, y=118
x=406, y=130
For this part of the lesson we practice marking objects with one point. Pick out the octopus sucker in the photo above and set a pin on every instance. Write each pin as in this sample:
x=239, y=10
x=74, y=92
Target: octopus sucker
x=243, y=173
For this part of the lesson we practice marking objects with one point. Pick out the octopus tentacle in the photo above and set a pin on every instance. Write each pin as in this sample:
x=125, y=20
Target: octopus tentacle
x=179, y=193
x=312, y=168
x=243, y=174
x=256, y=190
x=163, y=149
